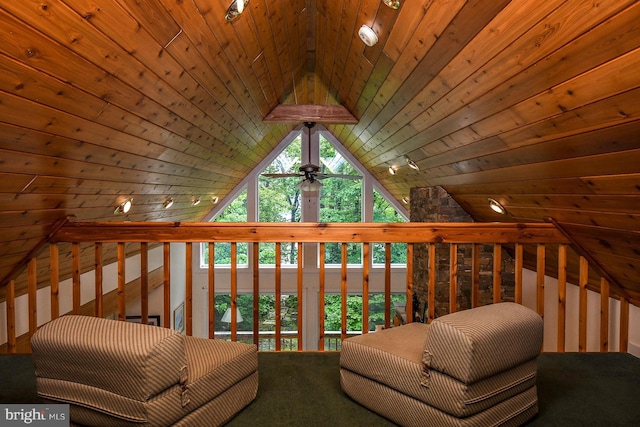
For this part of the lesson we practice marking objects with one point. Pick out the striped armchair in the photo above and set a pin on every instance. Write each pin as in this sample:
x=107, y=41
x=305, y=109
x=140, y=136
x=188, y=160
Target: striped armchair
x=471, y=368
x=126, y=374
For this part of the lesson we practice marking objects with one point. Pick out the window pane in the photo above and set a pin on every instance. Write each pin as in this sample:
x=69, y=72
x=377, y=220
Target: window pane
x=279, y=201
x=340, y=201
x=383, y=211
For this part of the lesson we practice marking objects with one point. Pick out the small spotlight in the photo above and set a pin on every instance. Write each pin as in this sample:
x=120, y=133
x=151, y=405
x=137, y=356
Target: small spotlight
x=393, y=4
x=124, y=207
x=368, y=36
x=497, y=207
x=195, y=201
x=168, y=203
x=392, y=170
x=215, y=200
x=235, y=9
x=405, y=200
x=413, y=165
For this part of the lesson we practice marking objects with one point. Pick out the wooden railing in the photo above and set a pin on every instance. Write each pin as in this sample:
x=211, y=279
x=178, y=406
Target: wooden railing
x=517, y=236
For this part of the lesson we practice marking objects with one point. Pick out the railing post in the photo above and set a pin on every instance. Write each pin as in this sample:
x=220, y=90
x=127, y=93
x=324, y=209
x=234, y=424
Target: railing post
x=562, y=296
x=582, y=312
x=54, y=278
x=99, y=307
x=453, y=277
x=604, y=315
x=497, y=273
x=211, y=306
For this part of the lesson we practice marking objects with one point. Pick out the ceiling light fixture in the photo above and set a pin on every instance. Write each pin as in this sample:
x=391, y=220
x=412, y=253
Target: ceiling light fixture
x=215, y=200
x=168, y=203
x=497, y=207
x=308, y=185
x=195, y=201
x=392, y=170
x=393, y=4
x=367, y=35
x=235, y=9
x=413, y=165
x=124, y=207
x=405, y=200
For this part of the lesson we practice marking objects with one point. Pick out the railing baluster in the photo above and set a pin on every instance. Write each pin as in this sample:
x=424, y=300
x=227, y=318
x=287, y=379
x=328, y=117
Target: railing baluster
x=188, y=292
x=387, y=285
x=562, y=296
x=54, y=279
x=32, y=284
x=497, y=273
x=453, y=277
x=624, y=325
x=166, y=279
x=234, y=291
x=365, y=288
x=343, y=290
x=278, y=303
x=321, y=287
x=144, y=283
x=256, y=292
x=432, y=282
x=519, y=266
x=211, y=288
x=582, y=312
x=540, y=268
x=121, y=282
x=475, y=274
x=97, y=269
x=300, y=295
x=10, y=297
x=604, y=315
x=75, y=261
x=409, y=306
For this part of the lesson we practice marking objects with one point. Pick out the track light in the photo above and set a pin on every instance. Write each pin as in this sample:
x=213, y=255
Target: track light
x=235, y=9
x=405, y=200
x=215, y=200
x=168, y=203
x=392, y=170
x=497, y=207
x=393, y=4
x=124, y=207
x=195, y=201
x=367, y=35
x=413, y=165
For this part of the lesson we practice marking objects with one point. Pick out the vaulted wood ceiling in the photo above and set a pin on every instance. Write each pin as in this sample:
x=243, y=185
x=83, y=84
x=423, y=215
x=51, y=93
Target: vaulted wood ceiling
x=533, y=103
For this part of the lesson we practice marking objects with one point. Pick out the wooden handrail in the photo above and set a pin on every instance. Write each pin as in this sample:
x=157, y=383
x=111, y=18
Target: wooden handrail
x=163, y=232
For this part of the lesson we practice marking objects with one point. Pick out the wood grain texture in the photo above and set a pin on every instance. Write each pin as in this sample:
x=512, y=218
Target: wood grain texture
x=531, y=103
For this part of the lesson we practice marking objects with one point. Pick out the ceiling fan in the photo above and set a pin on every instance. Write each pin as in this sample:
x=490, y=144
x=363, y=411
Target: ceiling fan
x=310, y=173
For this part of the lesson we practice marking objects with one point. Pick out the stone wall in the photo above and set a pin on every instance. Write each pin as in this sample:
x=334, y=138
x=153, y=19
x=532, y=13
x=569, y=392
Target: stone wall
x=434, y=204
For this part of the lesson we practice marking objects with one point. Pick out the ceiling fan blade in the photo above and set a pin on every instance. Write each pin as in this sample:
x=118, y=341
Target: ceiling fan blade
x=282, y=175
x=334, y=175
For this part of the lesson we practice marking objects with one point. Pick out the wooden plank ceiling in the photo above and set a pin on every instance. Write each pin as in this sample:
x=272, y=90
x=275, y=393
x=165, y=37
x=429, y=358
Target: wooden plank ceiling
x=533, y=103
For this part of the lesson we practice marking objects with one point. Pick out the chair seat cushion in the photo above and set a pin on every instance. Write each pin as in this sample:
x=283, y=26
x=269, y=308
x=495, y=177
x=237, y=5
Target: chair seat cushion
x=393, y=357
x=474, y=344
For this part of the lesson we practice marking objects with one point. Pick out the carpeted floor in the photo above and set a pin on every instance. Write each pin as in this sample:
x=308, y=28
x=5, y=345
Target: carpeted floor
x=303, y=389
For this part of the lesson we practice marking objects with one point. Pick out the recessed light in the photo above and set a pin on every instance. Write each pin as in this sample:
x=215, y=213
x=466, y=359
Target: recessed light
x=497, y=207
x=413, y=165
x=124, y=207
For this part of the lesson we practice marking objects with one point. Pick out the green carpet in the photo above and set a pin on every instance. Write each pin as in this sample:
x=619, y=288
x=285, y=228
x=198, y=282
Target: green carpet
x=303, y=389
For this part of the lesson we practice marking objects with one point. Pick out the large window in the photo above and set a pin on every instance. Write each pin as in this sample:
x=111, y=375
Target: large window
x=279, y=199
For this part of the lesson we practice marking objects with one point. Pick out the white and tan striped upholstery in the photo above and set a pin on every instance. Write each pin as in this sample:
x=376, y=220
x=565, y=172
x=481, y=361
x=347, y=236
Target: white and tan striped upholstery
x=442, y=373
x=127, y=374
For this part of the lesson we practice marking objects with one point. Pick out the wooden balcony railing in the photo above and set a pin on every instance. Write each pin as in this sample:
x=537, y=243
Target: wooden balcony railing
x=536, y=237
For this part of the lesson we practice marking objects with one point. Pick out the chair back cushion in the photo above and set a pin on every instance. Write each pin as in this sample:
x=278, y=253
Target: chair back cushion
x=129, y=359
x=474, y=344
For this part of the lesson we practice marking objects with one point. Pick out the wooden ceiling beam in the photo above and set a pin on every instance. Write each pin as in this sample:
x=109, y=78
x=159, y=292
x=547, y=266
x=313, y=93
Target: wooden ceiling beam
x=329, y=114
